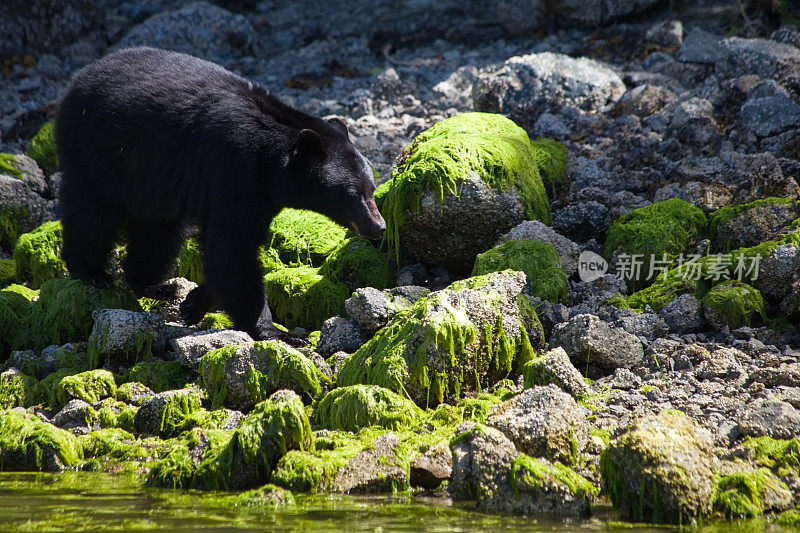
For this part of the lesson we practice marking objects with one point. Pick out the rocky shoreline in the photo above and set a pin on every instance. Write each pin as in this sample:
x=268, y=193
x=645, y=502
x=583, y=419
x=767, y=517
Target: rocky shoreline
x=588, y=294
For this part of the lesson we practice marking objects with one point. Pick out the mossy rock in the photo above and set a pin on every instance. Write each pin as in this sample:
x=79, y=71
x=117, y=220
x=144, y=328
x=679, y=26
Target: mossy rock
x=274, y=427
x=301, y=296
x=29, y=444
x=63, y=312
x=190, y=262
x=113, y=444
x=303, y=237
x=113, y=413
x=356, y=263
x=751, y=223
x=159, y=376
x=656, y=231
x=9, y=167
x=216, y=321
x=37, y=254
x=16, y=389
x=781, y=456
x=538, y=260
x=15, y=304
x=748, y=494
x=267, y=496
x=463, y=338
x=8, y=272
x=359, y=406
x=91, y=387
x=42, y=148
x=528, y=473
x=732, y=304
x=177, y=465
x=479, y=160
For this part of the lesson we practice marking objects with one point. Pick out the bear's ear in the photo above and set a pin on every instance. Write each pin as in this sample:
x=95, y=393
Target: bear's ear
x=338, y=124
x=309, y=142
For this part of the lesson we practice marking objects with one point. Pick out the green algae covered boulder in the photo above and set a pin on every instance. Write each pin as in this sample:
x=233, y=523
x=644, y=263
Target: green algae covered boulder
x=42, y=148
x=241, y=376
x=159, y=376
x=748, y=224
x=216, y=321
x=91, y=387
x=274, y=427
x=269, y=495
x=15, y=303
x=304, y=237
x=659, y=230
x=8, y=272
x=549, y=488
x=177, y=465
x=660, y=470
x=16, y=389
x=301, y=296
x=169, y=413
x=113, y=444
x=460, y=339
x=462, y=184
x=29, y=444
x=63, y=312
x=190, y=262
x=749, y=493
x=359, y=406
x=732, y=304
x=356, y=263
x=538, y=260
x=38, y=254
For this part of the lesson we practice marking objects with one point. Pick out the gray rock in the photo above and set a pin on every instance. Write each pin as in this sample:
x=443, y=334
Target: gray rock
x=647, y=325
x=534, y=230
x=340, y=334
x=76, y=414
x=452, y=233
x=721, y=363
x=520, y=17
x=768, y=59
x=456, y=90
x=554, y=367
x=668, y=33
x=369, y=307
x=783, y=375
x=373, y=470
x=543, y=422
x=684, y=314
x=29, y=173
x=770, y=115
x=191, y=348
x=582, y=221
x=707, y=196
x=123, y=337
x=660, y=470
x=756, y=225
x=594, y=13
x=23, y=208
x=770, y=418
x=643, y=101
x=776, y=272
x=200, y=29
x=701, y=47
x=524, y=86
x=134, y=393
x=176, y=290
x=590, y=296
x=549, y=125
x=589, y=340
x=431, y=469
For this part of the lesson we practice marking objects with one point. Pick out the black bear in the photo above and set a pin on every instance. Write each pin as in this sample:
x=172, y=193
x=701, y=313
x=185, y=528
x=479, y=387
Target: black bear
x=153, y=142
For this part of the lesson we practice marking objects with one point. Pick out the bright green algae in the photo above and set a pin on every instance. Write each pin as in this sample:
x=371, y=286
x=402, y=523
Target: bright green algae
x=357, y=263
x=159, y=376
x=28, y=443
x=539, y=261
x=662, y=229
x=494, y=148
x=216, y=321
x=530, y=472
x=742, y=494
x=42, y=148
x=8, y=165
x=38, y=254
x=360, y=406
x=301, y=296
x=15, y=304
x=190, y=262
x=304, y=237
x=736, y=301
x=91, y=387
x=16, y=390
x=8, y=272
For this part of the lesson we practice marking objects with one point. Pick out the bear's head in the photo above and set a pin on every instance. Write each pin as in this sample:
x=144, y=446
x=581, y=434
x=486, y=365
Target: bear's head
x=334, y=179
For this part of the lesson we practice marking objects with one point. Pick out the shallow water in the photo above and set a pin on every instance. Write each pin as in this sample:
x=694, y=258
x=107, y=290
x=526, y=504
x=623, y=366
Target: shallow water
x=82, y=501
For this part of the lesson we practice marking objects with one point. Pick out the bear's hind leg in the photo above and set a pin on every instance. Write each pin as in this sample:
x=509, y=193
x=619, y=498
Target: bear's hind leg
x=151, y=254
x=88, y=238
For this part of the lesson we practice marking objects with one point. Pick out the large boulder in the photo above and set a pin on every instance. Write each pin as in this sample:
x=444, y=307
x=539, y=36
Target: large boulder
x=589, y=341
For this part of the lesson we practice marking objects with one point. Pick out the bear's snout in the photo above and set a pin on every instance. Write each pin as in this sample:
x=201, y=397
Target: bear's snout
x=372, y=225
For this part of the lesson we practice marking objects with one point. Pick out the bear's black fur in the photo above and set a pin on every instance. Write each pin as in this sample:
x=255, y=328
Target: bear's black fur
x=154, y=141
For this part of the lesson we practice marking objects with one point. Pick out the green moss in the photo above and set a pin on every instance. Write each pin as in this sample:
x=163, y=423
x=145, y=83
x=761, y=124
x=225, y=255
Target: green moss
x=300, y=296
x=529, y=472
x=789, y=518
x=357, y=263
x=741, y=495
x=729, y=212
x=273, y=428
x=736, y=301
x=8, y=166
x=38, y=254
x=538, y=260
x=27, y=443
x=91, y=387
x=190, y=262
x=14, y=308
x=780, y=456
x=278, y=366
x=16, y=390
x=63, y=312
x=478, y=407
x=8, y=271
x=216, y=321
x=113, y=444
x=656, y=295
x=303, y=237
x=176, y=415
x=660, y=229
x=177, y=465
x=42, y=148
x=159, y=376
x=266, y=496
x=551, y=157
x=113, y=413
x=442, y=157
x=359, y=406
x=11, y=218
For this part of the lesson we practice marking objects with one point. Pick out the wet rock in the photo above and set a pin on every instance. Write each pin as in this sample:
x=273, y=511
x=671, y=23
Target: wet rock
x=684, y=314
x=375, y=470
x=340, y=334
x=200, y=29
x=590, y=341
x=771, y=418
x=534, y=230
x=554, y=367
x=76, y=414
x=431, y=469
x=29, y=444
x=543, y=422
x=524, y=86
x=660, y=470
x=191, y=348
x=122, y=337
